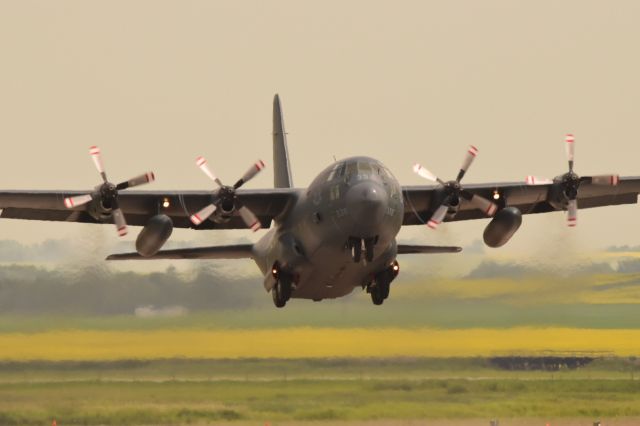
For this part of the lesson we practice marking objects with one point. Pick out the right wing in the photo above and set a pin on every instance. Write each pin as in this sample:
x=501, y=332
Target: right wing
x=140, y=206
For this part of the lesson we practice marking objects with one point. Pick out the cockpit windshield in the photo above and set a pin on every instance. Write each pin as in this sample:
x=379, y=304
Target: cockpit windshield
x=358, y=170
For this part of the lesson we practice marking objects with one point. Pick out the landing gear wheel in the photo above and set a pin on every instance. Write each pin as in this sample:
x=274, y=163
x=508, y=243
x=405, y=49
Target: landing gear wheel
x=281, y=292
x=384, y=289
x=277, y=296
x=377, y=295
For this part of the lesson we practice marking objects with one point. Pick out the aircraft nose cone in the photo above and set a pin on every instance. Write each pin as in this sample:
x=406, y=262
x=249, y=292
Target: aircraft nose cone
x=367, y=204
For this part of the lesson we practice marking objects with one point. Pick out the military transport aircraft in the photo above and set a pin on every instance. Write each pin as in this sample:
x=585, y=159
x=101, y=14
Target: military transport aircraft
x=325, y=240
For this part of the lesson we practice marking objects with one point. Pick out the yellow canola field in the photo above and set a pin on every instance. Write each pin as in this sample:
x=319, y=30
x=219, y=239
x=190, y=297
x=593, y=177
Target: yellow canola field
x=313, y=343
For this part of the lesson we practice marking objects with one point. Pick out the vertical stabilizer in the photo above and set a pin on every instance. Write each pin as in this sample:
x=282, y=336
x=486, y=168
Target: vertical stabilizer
x=281, y=169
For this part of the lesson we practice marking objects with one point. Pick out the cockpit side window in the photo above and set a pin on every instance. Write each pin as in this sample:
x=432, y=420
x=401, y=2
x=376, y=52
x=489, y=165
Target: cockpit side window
x=337, y=171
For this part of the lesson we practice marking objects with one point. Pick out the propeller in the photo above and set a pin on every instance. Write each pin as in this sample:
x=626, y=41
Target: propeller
x=225, y=198
x=569, y=183
x=108, y=192
x=454, y=192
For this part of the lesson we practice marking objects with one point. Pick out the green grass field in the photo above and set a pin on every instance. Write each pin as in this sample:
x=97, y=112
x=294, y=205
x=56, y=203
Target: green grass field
x=170, y=392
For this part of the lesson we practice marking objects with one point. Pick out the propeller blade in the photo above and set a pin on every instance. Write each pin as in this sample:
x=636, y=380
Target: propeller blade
x=250, y=174
x=202, y=163
x=535, y=180
x=570, y=145
x=472, y=152
x=76, y=201
x=417, y=168
x=249, y=218
x=135, y=181
x=438, y=216
x=572, y=213
x=94, y=151
x=120, y=222
x=488, y=207
x=607, y=180
x=203, y=214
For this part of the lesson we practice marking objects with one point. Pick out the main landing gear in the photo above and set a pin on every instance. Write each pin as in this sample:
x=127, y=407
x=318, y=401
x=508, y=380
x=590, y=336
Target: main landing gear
x=358, y=246
x=381, y=284
x=281, y=291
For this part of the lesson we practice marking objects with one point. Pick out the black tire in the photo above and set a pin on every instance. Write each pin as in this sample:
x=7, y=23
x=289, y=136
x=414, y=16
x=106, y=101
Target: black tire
x=276, y=293
x=384, y=289
x=377, y=295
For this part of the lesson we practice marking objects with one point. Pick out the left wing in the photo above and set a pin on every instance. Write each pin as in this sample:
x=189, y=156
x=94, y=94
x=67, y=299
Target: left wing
x=139, y=206
x=420, y=202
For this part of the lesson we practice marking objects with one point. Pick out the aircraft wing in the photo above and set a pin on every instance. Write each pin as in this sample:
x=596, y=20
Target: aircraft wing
x=420, y=202
x=139, y=206
x=238, y=251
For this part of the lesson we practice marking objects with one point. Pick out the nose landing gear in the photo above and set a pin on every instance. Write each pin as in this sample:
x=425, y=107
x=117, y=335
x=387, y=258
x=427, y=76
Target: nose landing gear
x=360, y=245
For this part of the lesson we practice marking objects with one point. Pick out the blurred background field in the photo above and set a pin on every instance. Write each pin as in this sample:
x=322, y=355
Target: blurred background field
x=202, y=344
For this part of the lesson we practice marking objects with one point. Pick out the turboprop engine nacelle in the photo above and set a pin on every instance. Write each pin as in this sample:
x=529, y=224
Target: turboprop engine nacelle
x=502, y=227
x=154, y=235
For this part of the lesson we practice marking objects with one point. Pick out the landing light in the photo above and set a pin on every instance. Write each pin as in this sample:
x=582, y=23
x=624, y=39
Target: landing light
x=166, y=203
x=496, y=195
x=396, y=267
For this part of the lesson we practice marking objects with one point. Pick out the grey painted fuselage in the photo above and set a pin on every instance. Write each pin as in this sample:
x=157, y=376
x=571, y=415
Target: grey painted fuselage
x=353, y=199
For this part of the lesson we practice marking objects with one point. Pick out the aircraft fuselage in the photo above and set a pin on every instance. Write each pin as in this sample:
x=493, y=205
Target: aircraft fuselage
x=339, y=233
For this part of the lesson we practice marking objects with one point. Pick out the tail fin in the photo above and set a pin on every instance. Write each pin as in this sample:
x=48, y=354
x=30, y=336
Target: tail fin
x=281, y=168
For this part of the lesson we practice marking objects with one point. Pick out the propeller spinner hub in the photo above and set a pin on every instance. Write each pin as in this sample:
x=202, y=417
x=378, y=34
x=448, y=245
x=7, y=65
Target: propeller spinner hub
x=452, y=186
x=108, y=193
x=570, y=183
x=226, y=198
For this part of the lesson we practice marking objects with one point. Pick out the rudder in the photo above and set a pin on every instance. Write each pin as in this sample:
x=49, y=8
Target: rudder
x=281, y=168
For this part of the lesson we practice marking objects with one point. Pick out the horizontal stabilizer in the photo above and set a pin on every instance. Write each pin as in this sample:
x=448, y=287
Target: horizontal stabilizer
x=240, y=251
x=414, y=249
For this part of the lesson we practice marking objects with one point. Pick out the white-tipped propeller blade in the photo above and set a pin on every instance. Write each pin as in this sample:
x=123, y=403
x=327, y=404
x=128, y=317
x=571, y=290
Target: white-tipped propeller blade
x=488, y=207
x=202, y=163
x=438, y=216
x=535, y=180
x=203, y=214
x=94, y=151
x=249, y=218
x=570, y=145
x=607, y=180
x=120, y=222
x=253, y=170
x=76, y=201
x=138, y=180
x=572, y=213
x=421, y=171
x=472, y=152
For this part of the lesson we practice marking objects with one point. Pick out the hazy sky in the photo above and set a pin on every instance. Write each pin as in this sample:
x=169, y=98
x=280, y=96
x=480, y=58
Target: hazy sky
x=157, y=83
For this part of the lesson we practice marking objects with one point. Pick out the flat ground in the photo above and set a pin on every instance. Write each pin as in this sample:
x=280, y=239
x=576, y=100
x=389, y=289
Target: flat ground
x=316, y=392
